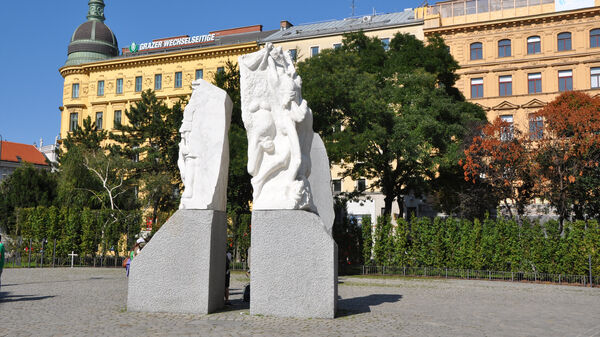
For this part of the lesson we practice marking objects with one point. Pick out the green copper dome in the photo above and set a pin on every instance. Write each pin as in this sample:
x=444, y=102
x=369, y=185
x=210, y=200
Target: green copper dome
x=93, y=40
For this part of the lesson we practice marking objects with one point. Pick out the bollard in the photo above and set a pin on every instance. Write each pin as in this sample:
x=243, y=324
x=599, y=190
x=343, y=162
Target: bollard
x=446, y=272
x=404, y=271
x=512, y=276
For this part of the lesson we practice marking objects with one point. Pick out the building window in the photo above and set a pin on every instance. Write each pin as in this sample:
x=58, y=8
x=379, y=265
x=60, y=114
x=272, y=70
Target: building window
x=314, y=51
x=595, y=38
x=595, y=77
x=361, y=185
x=117, y=120
x=199, y=74
x=73, y=122
x=220, y=69
x=293, y=54
x=477, y=87
x=534, y=83
x=386, y=44
x=157, y=81
x=119, y=85
x=534, y=45
x=75, y=90
x=565, y=80
x=507, y=131
x=138, y=84
x=336, y=185
x=100, y=88
x=339, y=45
x=505, y=84
x=564, y=41
x=99, y=120
x=476, y=51
x=536, y=127
x=504, y=48
x=178, y=79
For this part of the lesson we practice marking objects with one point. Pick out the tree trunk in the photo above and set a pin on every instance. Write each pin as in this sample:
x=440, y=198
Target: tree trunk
x=388, y=201
x=400, y=201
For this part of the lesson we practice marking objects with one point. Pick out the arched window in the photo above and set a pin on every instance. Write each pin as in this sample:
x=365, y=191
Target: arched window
x=476, y=51
x=534, y=45
x=503, y=48
x=595, y=38
x=564, y=41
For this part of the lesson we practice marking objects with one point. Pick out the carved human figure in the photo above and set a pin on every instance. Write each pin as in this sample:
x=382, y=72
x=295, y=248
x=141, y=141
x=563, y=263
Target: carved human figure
x=279, y=128
x=204, y=148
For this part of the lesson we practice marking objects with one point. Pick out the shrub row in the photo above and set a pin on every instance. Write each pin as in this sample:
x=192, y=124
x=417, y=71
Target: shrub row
x=84, y=231
x=501, y=245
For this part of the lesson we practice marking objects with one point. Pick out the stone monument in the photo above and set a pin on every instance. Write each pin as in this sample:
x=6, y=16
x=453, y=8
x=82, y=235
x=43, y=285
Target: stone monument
x=182, y=269
x=294, y=256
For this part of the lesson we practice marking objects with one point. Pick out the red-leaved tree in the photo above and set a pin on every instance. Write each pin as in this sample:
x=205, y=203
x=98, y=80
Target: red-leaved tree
x=568, y=153
x=499, y=156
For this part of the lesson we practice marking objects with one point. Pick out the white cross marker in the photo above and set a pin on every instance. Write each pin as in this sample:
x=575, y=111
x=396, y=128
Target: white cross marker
x=72, y=255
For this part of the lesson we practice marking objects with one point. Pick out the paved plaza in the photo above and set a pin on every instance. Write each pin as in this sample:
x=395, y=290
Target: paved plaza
x=87, y=301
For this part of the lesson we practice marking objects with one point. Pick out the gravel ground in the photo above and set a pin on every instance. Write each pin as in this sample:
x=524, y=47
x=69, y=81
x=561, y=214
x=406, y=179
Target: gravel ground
x=88, y=301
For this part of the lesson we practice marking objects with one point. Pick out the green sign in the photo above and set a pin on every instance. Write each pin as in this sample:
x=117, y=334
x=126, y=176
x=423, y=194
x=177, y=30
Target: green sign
x=134, y=47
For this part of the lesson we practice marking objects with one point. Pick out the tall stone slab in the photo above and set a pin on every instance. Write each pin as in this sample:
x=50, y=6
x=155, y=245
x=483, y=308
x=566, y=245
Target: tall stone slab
x=294, y=263
x=320, y=182
x=182, y=268
x=293, y=253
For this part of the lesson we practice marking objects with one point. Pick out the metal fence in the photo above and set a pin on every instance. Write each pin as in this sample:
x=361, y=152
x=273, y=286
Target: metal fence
x=468, y=274
x=40, y=260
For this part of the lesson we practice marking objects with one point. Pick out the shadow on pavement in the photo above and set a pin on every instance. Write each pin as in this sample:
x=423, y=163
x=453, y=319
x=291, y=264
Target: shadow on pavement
x=5, y=298
x=359, y=305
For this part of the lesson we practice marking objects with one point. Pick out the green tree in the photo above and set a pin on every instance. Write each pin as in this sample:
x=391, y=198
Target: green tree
x=151, y=141
x=394, y=117
x=239, y=187
x=75, y=181
x=383, y=248
x=26, y=187
x=367, y=239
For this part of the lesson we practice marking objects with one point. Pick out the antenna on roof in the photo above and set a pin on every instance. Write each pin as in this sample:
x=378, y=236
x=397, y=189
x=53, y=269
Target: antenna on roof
x=353, y=7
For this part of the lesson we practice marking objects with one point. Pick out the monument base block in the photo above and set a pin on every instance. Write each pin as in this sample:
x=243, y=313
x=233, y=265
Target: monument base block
x=182, y=269
x=294, y=265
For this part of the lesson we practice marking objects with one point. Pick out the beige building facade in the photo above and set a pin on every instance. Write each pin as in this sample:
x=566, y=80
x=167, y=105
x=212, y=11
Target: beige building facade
x=517, y=56
x=104, y=90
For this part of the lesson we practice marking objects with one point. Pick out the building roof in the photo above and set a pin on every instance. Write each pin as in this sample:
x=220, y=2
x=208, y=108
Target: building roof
x=368, y=22
x=92, y=40
x=220, y=40
x=17, y=152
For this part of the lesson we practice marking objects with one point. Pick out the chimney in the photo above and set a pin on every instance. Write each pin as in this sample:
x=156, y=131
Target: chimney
x=285, y=25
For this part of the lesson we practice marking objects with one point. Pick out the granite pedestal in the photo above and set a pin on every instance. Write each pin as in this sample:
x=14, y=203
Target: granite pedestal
x=294, y=265
x=182, y=268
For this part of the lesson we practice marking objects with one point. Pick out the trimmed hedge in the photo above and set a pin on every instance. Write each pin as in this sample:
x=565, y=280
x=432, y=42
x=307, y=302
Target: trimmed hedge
x=500, y=244
x=79, y=230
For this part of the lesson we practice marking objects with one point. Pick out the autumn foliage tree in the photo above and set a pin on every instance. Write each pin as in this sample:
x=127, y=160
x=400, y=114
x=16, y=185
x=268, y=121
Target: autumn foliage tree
x=568, y=154
x=558, y=162
x=499, y=156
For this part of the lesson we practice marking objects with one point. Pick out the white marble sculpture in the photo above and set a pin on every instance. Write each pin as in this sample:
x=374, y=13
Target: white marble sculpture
x=279, y=128
x=204, y=148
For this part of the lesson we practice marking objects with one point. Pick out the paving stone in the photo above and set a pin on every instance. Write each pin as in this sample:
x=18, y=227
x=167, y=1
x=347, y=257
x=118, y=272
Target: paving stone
x=92, y=302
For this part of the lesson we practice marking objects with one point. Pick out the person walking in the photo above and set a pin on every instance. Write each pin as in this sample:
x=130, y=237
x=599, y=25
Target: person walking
x=227, y=277
x=1, y=260
x=132, y=254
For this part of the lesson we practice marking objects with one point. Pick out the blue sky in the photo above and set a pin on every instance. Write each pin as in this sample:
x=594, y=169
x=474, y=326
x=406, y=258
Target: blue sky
x=35, y=34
